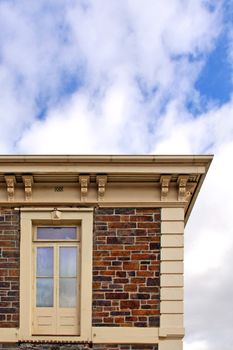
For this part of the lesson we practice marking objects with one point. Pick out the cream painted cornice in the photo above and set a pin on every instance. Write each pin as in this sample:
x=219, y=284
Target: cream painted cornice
x=103, y=180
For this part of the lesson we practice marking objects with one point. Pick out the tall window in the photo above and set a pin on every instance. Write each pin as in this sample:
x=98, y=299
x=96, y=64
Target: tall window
x=56, y=274
x=56, y=280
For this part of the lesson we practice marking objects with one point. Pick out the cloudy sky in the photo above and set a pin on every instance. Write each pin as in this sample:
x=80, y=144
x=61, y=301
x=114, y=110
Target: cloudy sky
x=138, y=77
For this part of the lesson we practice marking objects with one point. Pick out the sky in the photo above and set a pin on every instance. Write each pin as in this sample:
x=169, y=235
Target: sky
x=133, y=77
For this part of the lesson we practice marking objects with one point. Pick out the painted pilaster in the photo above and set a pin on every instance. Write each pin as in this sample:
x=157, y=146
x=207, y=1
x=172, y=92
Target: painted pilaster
x=171, y=279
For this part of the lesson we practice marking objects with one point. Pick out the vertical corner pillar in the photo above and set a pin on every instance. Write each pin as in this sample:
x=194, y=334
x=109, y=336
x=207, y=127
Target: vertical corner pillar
x=170, y=344
x=171, y=279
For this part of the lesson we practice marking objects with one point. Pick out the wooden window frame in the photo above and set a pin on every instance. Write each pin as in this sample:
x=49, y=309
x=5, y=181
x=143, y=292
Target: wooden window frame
x=30, y=218
x=66, y=313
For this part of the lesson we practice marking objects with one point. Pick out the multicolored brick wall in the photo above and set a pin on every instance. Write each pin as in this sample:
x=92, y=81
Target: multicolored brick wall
x=125, y=347
x=126, y=267
x=126, y=272
x=9, y=268
x=60, y=346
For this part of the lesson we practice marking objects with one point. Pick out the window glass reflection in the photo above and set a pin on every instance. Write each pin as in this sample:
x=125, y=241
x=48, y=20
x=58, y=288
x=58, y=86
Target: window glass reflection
x=67, y=292
x=44, y=292
x=68, y=261
x=57, y=233
x=44, y=266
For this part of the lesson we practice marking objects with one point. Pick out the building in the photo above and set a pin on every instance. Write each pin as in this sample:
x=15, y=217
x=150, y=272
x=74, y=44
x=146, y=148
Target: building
x=91, y=250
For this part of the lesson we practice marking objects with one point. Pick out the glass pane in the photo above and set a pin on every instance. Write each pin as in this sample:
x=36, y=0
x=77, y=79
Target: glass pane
x=56, y=233
x=44, y=266
x=44, y=292
x=67, y=291
x=68, y=261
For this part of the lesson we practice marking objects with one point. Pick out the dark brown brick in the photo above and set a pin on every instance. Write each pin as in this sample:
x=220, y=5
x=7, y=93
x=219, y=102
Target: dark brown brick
x=104, y=211
x=118, y=225
x=126, y=211
x=141, y=218
x=152, y=282
x=154, y=246
x=148, y=225
x=120, y=240
x=117, y=296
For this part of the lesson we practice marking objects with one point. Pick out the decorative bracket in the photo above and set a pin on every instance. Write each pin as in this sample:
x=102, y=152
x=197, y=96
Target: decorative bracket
x=190, y=189
x=101, y=181
x=10, y=183
x=28, y=181
x=165, y=181
x=56, y=214
x=182, y=183
x=84, y=182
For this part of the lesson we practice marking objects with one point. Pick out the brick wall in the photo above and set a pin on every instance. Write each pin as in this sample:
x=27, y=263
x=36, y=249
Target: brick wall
x=9, y=268
x=126, y=267
x=125, y=347
x=45, y=346
x=125, y=272
x=60, y=346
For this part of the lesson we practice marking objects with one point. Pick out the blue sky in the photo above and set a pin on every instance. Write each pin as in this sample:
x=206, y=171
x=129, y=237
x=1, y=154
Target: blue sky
x=133, y=77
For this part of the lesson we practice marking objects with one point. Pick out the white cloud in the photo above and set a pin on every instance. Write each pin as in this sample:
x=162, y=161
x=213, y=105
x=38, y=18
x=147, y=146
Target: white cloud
x=209, y=233
x=124, y=52
x=111, y=45
x=132, y=60
x=196, y=345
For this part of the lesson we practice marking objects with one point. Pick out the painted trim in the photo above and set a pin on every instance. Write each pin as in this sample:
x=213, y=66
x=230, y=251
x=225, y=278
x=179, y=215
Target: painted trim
x=28, y=219
x=8, y=335
x=125, y=335
x=125, y=180
x=111, y=335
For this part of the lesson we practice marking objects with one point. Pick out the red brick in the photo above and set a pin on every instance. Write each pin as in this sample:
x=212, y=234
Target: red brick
x=144, y=256
x=4, y=272
x=107, y=218
x=14, y=272
x=145, y=312
x=120, y=253
x=119, y=320
x=138, y=280
x=129, y=304
x=148, y=225
x=130, y=288
x=146, y=211
x=125, y=218
x=122, y=225
x=108, y=273
x=110, y=247
x=130, y=265
x=138, y=247
x=145, y=273
x=7, y=243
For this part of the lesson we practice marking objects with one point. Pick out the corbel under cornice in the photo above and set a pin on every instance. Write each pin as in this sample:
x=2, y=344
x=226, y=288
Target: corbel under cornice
x=101, y=181
x=153, y=181
x=84, y=182
x=165, y=181
x=10, y=183
x=28, y=181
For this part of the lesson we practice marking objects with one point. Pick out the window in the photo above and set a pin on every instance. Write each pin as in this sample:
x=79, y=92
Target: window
x=56, y=274
x=56, y=280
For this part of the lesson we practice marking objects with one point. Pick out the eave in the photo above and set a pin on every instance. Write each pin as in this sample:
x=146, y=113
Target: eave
x=86, y=172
